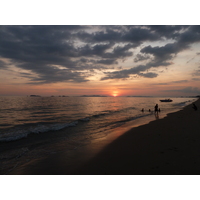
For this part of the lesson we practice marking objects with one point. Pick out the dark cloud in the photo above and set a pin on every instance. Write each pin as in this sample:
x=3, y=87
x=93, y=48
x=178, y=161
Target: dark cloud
x=51, y=74
x=127, y=73
x=131, y=34
x=107, y=61
x=148, y=75
x=190, y=36
x=96, y=50
x=159, y=53
x=120, y=52
x=62, y=53
x=170, y=32
x=141, y=57
x=99, y=50
x=124, y=74
x=161, y=56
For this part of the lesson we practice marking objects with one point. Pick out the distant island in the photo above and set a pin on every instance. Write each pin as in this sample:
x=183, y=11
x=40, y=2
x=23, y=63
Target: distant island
x=139, y=96
x=33, y=95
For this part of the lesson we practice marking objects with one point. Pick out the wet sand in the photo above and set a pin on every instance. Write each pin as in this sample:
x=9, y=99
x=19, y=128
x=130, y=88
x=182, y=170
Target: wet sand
x=168, y=146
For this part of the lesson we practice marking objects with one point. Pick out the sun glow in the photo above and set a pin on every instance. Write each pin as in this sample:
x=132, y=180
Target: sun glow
x=115, y=94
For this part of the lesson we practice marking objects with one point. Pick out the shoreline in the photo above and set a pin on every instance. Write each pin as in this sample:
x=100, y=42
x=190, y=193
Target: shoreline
x=137, y=151
x=172, y=148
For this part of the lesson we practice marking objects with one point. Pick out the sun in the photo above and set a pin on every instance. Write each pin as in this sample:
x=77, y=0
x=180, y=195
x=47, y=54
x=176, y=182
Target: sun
x=115, y=94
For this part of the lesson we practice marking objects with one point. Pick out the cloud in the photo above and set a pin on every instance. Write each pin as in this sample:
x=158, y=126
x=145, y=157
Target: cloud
x=141, y=57
x=181, y=81
x=99, y=50
x=172, y=82
x=53, y=75
x=107, y=61
x=196, y=73
x=131, y=34
x=3, y=65
x=125, y=74
x=189, y=90
x=196, y=79
x=148, y=75
x=162, y=55
x=65, y=53
x=170, y=32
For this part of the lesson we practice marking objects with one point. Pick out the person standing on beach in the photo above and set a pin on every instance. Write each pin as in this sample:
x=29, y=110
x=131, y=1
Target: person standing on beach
x=156, y=109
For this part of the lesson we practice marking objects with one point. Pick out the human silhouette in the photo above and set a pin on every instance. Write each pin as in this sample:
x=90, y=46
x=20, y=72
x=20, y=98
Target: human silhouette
x=156, y=109
x=194, y=107
x=142, y=110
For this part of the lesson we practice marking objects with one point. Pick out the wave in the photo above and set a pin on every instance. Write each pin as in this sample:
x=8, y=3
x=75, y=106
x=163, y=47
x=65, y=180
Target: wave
x=118, y=116
x=19, y=133
x=22, y=131
x=127, y=119
x=184, y=103
x=109, y=112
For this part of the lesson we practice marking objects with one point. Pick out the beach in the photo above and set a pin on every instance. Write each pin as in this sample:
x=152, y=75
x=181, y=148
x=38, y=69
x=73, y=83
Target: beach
x=168, y=146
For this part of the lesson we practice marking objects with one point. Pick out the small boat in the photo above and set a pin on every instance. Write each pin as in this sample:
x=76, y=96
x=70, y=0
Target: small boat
x=166, y=100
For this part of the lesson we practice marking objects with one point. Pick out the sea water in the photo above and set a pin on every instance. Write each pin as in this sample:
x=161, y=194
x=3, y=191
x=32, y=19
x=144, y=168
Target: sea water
x=42, y=123
x=21, y=116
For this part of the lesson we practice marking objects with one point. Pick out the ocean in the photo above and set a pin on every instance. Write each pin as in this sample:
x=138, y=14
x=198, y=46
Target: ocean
x=35, y=127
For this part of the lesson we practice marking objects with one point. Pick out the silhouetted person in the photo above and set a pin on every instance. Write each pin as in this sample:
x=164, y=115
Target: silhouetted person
x=142, y=110
x=149, y=110
x=194, y=107
x=159, y=110
x=156, y=109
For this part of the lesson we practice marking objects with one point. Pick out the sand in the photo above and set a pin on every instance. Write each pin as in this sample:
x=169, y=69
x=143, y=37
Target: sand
x=168, y=146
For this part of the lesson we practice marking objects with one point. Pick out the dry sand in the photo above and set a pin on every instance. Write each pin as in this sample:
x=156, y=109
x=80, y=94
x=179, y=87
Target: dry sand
x=168, y=146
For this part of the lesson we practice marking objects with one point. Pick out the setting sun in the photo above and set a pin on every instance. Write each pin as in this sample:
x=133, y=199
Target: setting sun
x=115, y=94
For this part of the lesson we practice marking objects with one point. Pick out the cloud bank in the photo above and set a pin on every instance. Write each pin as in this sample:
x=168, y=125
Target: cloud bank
x=69, y=53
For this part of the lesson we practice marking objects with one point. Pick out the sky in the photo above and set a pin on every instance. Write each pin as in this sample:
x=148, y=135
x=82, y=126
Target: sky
x=112, y=60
